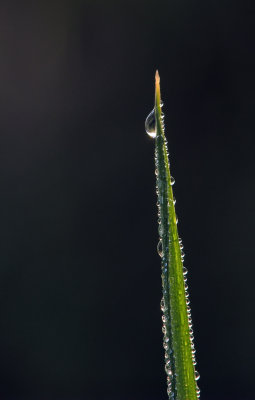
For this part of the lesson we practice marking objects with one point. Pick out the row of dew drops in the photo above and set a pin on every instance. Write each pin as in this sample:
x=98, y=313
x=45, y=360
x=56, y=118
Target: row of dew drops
x=150, y=127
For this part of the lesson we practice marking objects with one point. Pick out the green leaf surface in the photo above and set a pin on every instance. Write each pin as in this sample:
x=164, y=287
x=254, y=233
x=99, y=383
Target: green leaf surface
x=177, y=327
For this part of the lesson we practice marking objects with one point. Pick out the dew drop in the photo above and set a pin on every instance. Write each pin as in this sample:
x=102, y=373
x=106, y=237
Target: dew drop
x=150, y=124
x=172, y=181
x=160, y=229
x=169, y=390
x=160, y=249
x=166, y=347
x=163, y=306
x=168, y=370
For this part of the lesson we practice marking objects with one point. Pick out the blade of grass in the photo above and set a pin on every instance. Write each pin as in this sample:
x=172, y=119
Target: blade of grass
x=177, y=329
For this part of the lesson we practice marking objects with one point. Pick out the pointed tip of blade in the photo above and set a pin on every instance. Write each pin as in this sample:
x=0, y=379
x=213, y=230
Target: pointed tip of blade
x=157, y=78
x=157, y=88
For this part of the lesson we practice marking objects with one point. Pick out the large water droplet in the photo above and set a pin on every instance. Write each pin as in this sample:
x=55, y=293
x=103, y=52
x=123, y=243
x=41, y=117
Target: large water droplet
x=150, y=124
x=172, y=181
x=197, y=375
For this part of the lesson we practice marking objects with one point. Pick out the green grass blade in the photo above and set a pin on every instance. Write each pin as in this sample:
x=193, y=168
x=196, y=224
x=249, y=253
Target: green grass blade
x=178, y=334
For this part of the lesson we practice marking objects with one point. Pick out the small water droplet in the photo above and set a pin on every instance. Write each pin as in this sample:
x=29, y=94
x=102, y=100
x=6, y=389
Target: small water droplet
x=163, y=306
x=172, y=181
x=169, y=390
x=185, y=271
x=160, y=249
x=166, y=347
x=160, y=230
x=150, y=124
x=168, y=371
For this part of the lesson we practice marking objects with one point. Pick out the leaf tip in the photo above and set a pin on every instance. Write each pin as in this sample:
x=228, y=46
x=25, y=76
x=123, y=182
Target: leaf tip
x=157, y=87
x=157, y=79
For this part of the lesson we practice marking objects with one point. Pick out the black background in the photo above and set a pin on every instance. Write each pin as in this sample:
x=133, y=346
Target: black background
x=80, y=282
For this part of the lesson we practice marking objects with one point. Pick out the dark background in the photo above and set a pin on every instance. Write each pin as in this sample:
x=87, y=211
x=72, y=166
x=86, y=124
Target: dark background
x=80, y=282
